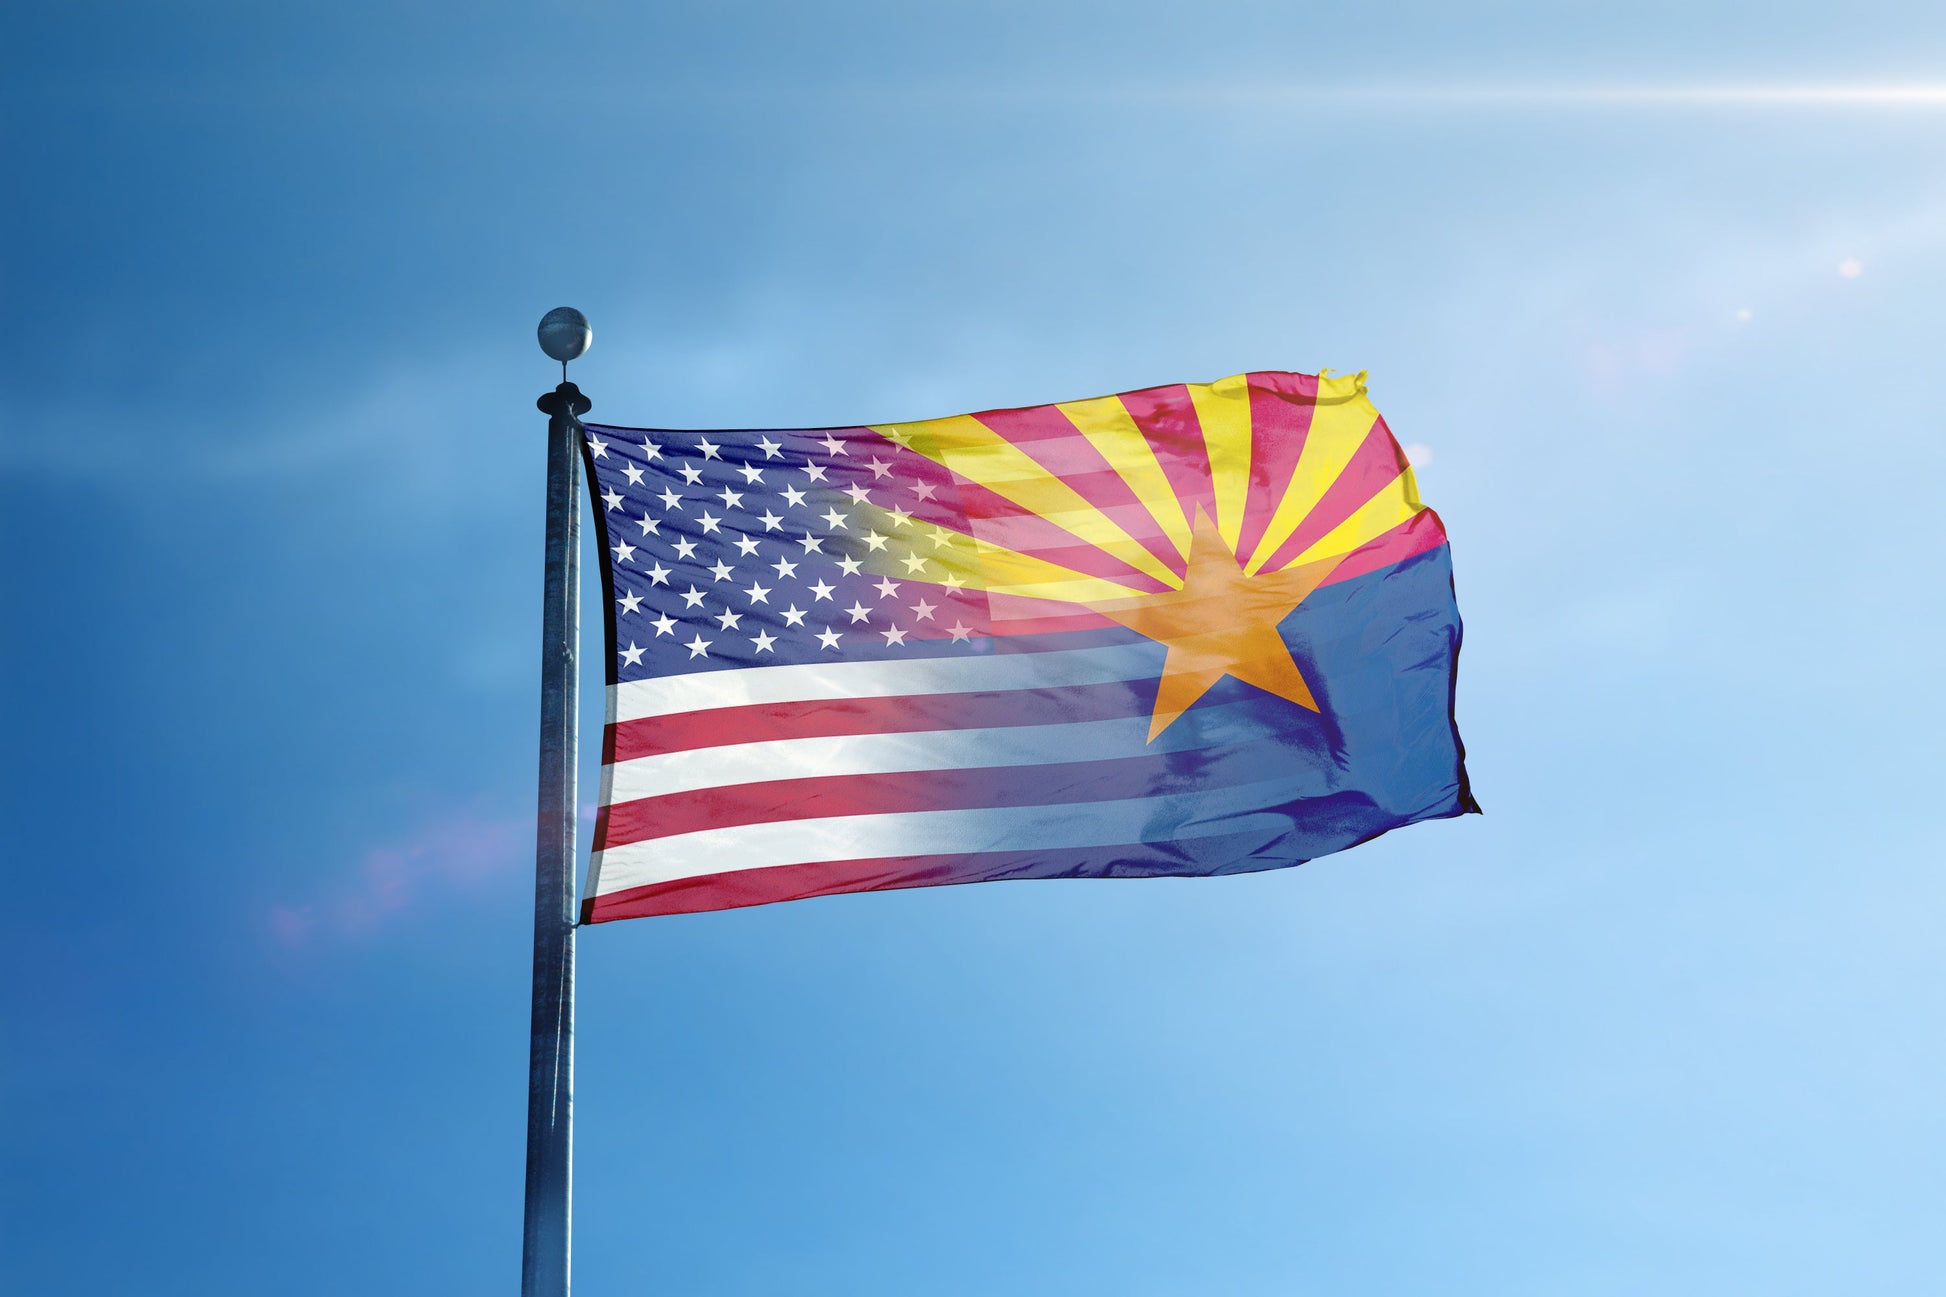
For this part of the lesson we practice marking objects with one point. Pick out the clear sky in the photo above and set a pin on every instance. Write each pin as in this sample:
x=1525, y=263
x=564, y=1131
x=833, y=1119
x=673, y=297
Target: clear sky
x=1664, y=1020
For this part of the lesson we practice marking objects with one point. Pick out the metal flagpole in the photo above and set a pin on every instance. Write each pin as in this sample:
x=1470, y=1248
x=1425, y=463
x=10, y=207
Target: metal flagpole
x=545, y=1250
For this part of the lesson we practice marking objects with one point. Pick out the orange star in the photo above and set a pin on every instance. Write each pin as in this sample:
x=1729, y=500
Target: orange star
x=1220, y=623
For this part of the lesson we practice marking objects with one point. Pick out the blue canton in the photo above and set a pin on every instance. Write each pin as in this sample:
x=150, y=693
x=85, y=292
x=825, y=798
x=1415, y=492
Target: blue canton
x=741, y=549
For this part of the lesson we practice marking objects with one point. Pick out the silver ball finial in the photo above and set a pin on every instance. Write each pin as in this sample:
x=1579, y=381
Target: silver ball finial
x=565, y=334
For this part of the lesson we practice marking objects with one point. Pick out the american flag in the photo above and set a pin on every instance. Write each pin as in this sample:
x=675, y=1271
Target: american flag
x=855, y=658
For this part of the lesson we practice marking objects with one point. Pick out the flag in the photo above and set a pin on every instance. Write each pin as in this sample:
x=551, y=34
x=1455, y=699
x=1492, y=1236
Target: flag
x=1200, y=629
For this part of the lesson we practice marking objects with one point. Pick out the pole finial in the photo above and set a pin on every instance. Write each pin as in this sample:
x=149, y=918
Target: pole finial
x=565, y=335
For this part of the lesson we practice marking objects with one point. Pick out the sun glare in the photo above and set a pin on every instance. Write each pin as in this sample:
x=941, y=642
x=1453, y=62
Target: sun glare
x=1864, y=96
x=1752, y=95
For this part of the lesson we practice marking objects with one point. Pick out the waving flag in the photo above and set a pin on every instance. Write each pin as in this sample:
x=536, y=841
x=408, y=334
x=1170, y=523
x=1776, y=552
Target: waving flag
x=1201, y=629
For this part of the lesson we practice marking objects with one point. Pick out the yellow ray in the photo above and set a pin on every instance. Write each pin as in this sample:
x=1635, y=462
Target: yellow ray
x=1339, y=423
x=1131, y=517
x=1223, y=410
x=982, y=456
x=1002, y=571
x=1395, y=502
x=977, y=563
x=1110, y=429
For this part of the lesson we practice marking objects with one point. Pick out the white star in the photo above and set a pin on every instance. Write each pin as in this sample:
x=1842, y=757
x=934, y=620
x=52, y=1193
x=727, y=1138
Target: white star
x=876, y=541
x=793, y=497
x=913, y=562
x=729, y=620
x=632, y=656
x=624, y=551
x=633, y=474
x=697, y=647
x=923, y=490
x=708, y=448
x=757, y=593
x=833, y=519
x=659, y=575
x=958, y=630
x=879, y=467
x=596, y=446
x=752, y=475
x=708, y=522
x=611, y=499
x=669, y=498
x=691, y=474
x=893, y=635
x=694, y=599
x=769, y=447
x=886, y=587
x=721, y=571
x=784, y=567
x=650, y=451
x=747, y=545
x=664, y=624
x=811, y=543
x=764, y=639
x=828, y=638
x=849, y=566
x=953, y=581
x=770, y=521
x=899, y=517
x=822, y=591
x=793, y=616
x=857, y=494
x=650, y=527
x=923, y=610
x=859, y=612
x=630, y=601
x=940, y=536
x=832, y=444
x=685, y=548
x=815, y=472
x=731, y=499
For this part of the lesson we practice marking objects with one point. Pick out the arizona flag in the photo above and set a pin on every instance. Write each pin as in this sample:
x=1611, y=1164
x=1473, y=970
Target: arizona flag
x=1201, y=629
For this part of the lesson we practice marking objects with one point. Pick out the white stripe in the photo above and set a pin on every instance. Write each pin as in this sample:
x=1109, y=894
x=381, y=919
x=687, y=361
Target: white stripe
x=1172, y=818
x=877, y=754
x=702, y=690
x=607, y=796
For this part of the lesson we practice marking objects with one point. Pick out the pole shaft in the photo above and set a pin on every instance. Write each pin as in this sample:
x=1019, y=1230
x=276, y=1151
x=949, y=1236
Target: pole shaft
x=545, y=1247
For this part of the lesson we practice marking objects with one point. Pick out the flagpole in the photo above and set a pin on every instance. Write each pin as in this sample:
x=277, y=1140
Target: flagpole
x=545, y=1240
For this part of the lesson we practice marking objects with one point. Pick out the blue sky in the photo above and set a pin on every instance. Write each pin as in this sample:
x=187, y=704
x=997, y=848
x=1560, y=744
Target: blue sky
x=1663, y=1020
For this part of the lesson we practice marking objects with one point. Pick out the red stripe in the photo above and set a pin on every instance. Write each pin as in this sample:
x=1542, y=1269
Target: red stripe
x=1167, y=420
x=1022, y=624
x=1375, y=465
x=778, y=883
x=1417, y=534
x=1076, y=461
x=1129, y=512
x=999, y=521
x=835, y=717
x=899, y=792
x=1079, y=556
x=1281, y=406
x=1014, y=614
